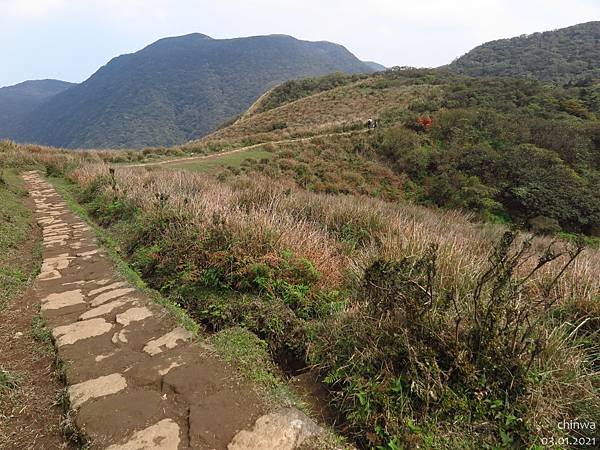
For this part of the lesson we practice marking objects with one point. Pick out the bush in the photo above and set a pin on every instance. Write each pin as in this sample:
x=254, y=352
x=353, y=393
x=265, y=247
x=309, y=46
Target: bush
x=411, y=354
x=544, y=225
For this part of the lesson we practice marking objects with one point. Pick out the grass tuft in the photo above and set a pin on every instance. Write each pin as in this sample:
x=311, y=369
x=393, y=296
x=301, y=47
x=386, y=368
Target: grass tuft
x=250, y=354
x=39, y=331
x=9, y=381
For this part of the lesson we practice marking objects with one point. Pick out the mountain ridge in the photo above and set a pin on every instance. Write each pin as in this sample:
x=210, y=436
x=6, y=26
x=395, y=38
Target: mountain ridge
x=177, y=89
x=20, y=99
x=562, y=55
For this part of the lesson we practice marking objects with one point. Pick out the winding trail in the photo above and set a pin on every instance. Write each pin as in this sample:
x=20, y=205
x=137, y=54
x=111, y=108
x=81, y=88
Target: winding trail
x=135, y=379
x=238, y=150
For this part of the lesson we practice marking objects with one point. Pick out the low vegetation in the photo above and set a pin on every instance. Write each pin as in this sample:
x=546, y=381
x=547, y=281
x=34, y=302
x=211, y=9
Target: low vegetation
x=427, y=328
x=296, y=89
x=330, y=110
x=232, y=161
x=506, y=149
x=333, y=164
x=363, y=256
x=15, y=232
x=510, y=150
x=8, y=382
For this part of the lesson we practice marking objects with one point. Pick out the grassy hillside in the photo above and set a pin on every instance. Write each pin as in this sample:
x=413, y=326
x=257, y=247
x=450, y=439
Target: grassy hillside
x=177, y=89
x=567, y=55
x=297, y=89
x=339, y=104
x=428, y=329
x=385, y=261
x=510, y=150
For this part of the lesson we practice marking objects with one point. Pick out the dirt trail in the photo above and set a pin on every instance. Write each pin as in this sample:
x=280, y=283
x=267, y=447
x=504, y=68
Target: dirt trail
x=136, y=380
x=29, y=417
x=237, y=150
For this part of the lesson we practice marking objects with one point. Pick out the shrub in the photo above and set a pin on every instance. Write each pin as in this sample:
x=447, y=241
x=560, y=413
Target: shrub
x=411, y=353
x=544, y=225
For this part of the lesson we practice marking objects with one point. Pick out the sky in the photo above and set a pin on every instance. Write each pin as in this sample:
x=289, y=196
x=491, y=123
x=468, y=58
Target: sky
x=71, y=39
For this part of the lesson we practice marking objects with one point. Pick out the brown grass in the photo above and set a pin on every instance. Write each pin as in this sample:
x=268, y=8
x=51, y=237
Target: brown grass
x=311, y=225
x=308, y=220
x=306, y=223
x=346, y=106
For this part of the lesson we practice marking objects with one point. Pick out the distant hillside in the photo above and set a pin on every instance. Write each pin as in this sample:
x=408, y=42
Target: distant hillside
x=375, y=66
x=321, y=105
x=509, y=149
x=296, y=89
x=563, y=55
x=178, y=89
x=21, y=99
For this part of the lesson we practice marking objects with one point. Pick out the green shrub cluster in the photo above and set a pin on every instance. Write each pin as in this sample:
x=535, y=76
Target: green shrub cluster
x=507, y=149
x=414, y=353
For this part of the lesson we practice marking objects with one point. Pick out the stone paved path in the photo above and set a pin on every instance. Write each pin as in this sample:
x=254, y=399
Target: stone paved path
x=136, y=380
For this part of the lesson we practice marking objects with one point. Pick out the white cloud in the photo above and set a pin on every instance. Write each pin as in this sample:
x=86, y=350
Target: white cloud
x=72, y=38
x=30, y=8
x=140, y=10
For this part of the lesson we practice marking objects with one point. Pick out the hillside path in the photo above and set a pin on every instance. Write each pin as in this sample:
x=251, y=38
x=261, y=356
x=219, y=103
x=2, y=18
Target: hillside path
x=237, y=150
x=135, y=379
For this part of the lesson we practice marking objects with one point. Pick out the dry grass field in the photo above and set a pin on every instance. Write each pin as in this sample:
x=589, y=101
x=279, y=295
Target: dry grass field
x=384, y=299
x=343, y=108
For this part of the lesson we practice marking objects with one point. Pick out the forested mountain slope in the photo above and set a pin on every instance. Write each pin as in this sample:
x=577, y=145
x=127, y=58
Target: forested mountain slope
x=566, y=55
x=21, y=99
x=177, y=89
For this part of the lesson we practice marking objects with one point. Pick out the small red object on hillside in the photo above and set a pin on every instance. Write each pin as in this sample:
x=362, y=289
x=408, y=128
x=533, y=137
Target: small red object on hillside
x=425, y=121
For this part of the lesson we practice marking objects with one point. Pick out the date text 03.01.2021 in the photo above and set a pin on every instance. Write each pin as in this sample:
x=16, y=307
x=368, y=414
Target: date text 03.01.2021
x=588, y=442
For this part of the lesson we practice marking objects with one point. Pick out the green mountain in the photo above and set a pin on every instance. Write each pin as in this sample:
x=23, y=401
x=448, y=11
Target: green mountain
x=21, y=99
x=177, y=89
x=566, y=55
